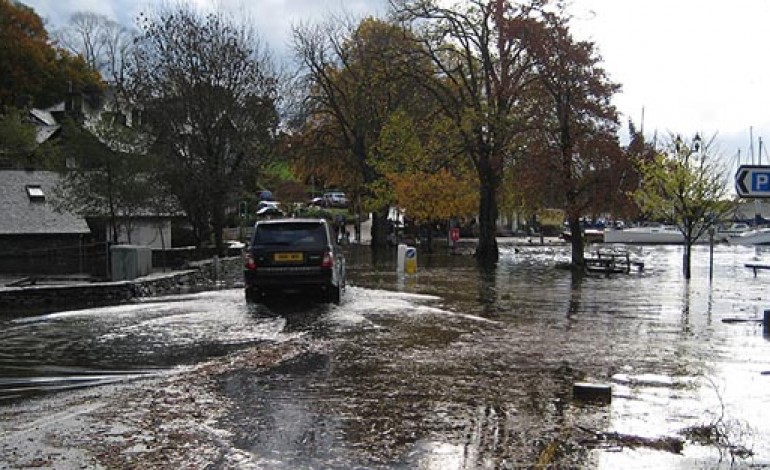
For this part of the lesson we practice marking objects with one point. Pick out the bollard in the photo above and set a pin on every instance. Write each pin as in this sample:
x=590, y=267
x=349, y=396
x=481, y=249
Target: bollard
x=406, y=261
x=411, y=260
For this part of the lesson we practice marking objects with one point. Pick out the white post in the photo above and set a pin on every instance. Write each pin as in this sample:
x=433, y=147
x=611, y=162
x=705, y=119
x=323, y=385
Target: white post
x=401, y=259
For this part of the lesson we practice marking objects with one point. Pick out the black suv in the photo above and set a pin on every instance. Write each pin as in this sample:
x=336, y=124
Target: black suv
x=294, y=255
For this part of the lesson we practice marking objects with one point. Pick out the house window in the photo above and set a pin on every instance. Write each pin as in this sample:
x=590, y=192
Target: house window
x=35, y=193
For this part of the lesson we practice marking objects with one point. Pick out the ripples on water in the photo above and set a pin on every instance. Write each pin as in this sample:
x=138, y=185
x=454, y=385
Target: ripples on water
x=108, y=344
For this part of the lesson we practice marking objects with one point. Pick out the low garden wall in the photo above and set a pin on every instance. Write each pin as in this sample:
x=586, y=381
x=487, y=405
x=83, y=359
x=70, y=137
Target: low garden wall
x=200, y=275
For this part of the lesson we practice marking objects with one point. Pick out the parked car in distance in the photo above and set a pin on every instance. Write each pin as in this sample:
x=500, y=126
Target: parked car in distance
x=294, y=255
x=335, y=199
x=272, y=208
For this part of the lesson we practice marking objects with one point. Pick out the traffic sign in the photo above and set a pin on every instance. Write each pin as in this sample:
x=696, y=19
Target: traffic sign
x=753, y=181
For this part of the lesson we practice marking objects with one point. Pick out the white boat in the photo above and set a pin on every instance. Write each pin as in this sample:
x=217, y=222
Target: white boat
x=590, y=235
x=726, y=233
x=760, y=236
x=648, y=234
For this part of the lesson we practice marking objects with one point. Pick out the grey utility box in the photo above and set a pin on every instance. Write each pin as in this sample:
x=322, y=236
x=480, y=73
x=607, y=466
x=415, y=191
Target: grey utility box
x=130, y=262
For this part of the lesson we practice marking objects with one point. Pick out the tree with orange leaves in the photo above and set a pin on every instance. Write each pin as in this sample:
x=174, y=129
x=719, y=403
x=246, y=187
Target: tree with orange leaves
x=422, y=174
x=576, y=142
x=357, y=77
x=33, y=71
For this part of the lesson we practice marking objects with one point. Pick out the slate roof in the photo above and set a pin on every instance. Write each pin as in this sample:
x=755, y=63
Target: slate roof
x=20, y=214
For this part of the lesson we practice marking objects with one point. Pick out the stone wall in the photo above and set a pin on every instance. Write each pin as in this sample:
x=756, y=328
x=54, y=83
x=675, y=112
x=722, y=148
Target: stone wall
x=202, y=275
x=179, y=257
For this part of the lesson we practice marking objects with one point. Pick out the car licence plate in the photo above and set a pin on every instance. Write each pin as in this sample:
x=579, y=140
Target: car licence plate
x=287, y=257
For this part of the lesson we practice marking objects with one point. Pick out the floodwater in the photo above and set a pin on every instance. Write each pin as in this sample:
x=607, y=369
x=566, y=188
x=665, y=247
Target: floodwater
x=455, y=367
x=79, y=348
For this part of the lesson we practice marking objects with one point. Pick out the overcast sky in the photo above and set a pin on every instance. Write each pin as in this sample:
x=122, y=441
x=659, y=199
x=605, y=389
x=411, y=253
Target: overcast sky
x=686, y=66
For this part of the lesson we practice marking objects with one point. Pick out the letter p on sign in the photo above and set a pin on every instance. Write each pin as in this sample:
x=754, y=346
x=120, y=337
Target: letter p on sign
x=760, y=182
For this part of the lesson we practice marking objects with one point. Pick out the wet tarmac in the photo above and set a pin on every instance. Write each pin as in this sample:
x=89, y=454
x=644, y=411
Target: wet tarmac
x=456, y=367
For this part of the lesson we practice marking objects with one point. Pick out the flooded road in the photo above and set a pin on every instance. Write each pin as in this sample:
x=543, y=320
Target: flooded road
x=80, y=348
x=459, y=368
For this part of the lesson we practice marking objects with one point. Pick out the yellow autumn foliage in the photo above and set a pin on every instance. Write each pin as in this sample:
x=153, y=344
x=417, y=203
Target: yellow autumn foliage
x=437, y=196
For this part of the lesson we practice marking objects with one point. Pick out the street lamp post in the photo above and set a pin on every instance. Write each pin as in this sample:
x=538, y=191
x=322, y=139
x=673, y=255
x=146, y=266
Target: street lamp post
x=697, y=146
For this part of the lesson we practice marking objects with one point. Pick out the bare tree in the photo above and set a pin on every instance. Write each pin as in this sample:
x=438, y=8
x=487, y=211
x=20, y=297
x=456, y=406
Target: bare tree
x=103, y=43
x=208, y=93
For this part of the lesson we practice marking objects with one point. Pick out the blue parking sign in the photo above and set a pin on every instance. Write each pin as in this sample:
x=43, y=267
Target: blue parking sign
x=753, y=181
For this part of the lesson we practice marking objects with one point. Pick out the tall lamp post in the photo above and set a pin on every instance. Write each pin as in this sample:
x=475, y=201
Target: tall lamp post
x=697, y=146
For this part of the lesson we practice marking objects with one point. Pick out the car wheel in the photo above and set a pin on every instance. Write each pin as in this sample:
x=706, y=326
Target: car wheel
x=252, y=294
x=333, y=294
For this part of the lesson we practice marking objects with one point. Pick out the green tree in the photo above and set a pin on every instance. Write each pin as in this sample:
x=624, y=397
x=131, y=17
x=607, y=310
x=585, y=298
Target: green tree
x=422, y=175
x=685, y=185
x=207, y=91
x=17, y=138
x=356, y=79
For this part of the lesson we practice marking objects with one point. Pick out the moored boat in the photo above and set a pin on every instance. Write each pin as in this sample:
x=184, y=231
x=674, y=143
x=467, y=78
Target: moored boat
x=760, y=236
x=648, y=234
x=590, y=235
x=726, y=233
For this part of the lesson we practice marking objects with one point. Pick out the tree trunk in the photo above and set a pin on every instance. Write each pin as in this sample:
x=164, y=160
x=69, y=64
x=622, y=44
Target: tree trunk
x=429, y=248
x=686, y=258
x=218, y=220
x=111, y=202
x=487, y=252
x=218, y=226
x=578, y=258
x=379, y=230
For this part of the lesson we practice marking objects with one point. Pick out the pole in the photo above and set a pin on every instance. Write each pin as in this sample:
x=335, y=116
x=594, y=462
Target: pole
x=766, y=322
x=711, y=253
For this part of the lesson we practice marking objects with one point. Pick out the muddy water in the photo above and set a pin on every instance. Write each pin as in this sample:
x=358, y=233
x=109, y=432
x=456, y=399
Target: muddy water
x=460, y=368
x=454, y=367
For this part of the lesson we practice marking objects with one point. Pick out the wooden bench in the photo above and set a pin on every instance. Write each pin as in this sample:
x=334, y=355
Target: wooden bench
x=756, y=267
x=612, y=263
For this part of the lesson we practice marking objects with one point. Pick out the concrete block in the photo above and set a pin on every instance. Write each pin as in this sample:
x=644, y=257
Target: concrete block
x=130, y=262
x=599, y=393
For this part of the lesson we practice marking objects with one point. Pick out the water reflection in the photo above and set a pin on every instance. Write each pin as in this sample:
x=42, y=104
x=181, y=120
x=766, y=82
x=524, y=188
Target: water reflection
x=575, y=297
x=552, y=328
x=488, y=290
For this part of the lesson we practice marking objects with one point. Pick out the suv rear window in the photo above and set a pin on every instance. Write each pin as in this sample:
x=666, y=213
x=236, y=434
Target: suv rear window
x=291, y=234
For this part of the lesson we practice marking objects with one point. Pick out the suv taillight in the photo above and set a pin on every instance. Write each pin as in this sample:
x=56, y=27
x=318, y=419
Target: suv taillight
x=250, y=264
x=328, y=260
